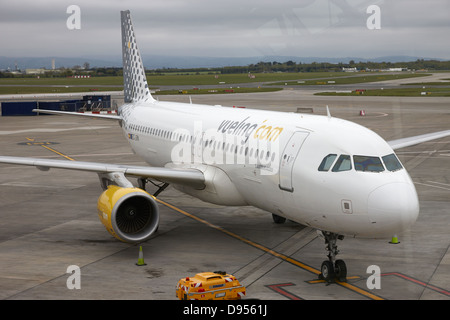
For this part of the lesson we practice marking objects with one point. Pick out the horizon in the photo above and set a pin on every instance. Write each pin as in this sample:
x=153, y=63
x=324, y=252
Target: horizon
x=182, y=62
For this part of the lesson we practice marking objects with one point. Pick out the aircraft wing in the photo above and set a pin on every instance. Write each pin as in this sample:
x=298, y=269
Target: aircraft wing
x=406, y=142
x=91, y=115
x=190, y=177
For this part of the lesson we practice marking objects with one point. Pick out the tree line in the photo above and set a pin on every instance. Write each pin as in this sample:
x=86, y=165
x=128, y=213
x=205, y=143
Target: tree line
x=260, y=67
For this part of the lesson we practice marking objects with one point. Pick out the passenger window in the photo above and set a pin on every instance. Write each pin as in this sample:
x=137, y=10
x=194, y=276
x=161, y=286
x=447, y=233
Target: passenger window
x=391, y=162
x=368, y=164
x=344, y=163
x=326, y=163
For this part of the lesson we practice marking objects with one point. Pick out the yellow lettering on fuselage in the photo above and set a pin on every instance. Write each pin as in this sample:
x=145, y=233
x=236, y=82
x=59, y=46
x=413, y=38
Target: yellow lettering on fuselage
x=266, y=132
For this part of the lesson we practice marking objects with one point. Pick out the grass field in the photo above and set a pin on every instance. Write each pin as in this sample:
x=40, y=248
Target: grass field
x=69, y=85
x=216, y=91
x=87, y=82
x=39, y=89
x=436, y=83
x=401, y=92
x=355, y=79
x=172, y=79
x=214, y=79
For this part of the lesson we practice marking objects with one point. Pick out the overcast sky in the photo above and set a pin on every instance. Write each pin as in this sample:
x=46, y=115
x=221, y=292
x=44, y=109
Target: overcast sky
x=233, y=28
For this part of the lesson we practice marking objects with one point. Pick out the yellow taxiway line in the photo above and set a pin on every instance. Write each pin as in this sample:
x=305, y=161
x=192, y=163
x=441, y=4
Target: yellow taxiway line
x=272, y=252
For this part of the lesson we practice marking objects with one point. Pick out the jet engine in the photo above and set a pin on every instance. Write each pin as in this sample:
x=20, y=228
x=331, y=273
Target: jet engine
x=129, y=214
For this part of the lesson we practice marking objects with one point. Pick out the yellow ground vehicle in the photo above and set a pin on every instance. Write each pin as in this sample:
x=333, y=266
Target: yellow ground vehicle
x=210, y=286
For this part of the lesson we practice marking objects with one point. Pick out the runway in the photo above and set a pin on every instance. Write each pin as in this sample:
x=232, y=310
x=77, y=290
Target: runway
x=49, y=219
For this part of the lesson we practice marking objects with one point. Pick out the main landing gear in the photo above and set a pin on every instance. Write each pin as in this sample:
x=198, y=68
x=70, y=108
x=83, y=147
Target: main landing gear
x=278, y=219
x=333, y=269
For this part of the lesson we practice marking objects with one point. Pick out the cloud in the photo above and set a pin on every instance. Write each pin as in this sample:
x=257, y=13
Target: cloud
x=228, y=29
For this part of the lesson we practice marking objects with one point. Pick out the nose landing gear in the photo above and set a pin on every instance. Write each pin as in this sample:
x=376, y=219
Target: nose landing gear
x=333, y=269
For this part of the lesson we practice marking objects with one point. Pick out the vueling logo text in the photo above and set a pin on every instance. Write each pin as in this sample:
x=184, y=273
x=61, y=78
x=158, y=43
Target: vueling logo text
x=245, y=129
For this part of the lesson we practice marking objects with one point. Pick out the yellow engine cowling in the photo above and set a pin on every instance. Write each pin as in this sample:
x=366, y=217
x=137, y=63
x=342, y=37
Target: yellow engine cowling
x=129, y=214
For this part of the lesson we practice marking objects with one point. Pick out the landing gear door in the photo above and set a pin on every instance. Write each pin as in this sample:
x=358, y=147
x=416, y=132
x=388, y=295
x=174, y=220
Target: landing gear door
x=288, y=157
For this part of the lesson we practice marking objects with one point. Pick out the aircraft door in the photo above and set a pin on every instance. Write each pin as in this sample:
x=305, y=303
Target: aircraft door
x=288, y=157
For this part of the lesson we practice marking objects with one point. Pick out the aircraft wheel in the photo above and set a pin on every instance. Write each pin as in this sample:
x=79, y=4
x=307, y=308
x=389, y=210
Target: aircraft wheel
x=327, y=270
x=277, y=219
x=341, y=270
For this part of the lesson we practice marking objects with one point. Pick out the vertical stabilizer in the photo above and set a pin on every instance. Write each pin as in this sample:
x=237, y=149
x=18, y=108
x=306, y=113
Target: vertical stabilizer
x=134, y=80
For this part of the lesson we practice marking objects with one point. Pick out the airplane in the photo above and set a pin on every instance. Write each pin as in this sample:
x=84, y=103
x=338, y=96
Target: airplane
x=317, y=170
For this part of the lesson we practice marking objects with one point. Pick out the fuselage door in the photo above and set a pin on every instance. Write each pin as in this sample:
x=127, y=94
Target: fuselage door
x=288, y=157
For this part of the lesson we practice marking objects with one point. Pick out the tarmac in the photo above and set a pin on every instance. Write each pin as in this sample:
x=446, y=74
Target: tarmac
x=49, y=219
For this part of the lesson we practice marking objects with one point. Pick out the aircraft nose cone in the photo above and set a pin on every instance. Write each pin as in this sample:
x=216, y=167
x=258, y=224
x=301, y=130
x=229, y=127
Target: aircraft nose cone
x=394, y=207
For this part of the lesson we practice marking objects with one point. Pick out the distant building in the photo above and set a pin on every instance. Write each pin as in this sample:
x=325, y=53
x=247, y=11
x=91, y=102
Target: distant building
x=396, y=69
x=350, y=69
x=35, y=71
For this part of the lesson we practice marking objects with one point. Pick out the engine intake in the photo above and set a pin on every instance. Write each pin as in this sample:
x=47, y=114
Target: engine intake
x=129, y=214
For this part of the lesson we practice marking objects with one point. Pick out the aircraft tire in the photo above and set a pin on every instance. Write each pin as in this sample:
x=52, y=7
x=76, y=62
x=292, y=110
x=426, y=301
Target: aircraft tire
x=341, y=270
x=327, y=270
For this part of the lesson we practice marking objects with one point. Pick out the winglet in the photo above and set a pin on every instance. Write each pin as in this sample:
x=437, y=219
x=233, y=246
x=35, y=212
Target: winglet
x=328, y=113
x=134, y=79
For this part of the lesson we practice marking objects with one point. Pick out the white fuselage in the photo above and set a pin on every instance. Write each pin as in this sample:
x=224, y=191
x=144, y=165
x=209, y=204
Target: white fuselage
x=276, y=161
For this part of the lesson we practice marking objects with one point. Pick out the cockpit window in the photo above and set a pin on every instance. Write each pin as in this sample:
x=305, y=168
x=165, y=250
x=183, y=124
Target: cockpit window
x=326, y=163
x=368, y=164
x=344, y=163
x=361, y=163
x=391, y=162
